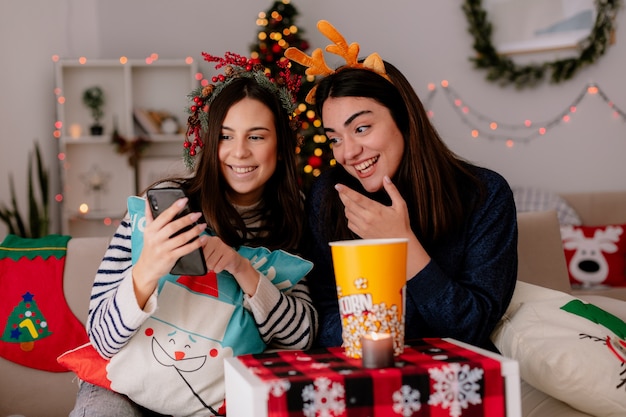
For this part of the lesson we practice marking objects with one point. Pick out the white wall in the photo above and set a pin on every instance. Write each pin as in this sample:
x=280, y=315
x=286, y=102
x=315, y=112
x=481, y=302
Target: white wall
x=427, y=40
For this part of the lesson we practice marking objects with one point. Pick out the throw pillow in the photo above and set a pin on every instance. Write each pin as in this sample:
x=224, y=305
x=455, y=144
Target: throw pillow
x=595, y=255
x=536, y=199
x=87, y=363
x=570, y=350
x=199, y=322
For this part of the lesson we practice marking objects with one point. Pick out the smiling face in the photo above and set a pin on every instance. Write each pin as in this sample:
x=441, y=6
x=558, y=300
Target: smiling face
x=248, y=150
x=366, y=140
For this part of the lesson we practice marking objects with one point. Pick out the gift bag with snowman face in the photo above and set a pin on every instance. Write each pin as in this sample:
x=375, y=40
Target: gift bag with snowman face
x=174, y=364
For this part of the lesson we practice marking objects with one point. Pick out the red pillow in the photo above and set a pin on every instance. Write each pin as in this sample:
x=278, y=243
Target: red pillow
x=85, y=362
x=595, y=255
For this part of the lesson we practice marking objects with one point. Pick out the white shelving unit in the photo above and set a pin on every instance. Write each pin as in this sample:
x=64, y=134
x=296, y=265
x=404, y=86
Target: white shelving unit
x=96, y=179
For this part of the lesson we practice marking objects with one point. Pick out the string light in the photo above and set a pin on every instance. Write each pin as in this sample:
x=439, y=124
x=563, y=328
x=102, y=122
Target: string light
x=524, y=131
x=57, y=132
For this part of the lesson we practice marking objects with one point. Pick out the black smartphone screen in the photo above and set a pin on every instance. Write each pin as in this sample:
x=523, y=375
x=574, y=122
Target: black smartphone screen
x=159, y=199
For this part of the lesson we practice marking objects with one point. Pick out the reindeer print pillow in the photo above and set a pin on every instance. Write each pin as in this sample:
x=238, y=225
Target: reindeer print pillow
x=595, y=255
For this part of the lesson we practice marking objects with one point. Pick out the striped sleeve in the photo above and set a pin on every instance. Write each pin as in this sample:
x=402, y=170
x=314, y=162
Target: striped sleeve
x=285, y=320
x=114, y=315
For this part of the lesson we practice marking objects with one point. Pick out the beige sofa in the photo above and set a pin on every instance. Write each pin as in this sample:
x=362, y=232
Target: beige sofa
x=542, y=263
x=32, y=393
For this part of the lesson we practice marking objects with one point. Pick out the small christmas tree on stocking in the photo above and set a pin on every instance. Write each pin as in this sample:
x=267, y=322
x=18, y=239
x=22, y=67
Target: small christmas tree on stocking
x=278, y=32
x=36, y=323
x=26, y=324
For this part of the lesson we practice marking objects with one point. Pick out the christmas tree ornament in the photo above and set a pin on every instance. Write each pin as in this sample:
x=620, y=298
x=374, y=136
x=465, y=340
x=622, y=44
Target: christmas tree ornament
x=277, y=32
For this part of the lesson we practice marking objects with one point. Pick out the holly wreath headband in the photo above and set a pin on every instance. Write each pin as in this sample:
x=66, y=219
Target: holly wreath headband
x=285, y=85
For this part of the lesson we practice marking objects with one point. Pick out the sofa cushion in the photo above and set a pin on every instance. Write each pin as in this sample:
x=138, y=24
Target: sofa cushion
x=595, y=255
x=566, y=348
x=151, y=356
x=87, y=364
x=598, y=207
x=83, y=259
x=539, y=404
x=536, y=199
x=540, y=251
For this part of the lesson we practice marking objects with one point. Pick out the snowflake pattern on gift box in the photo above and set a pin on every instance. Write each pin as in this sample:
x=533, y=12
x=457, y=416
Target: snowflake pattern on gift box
x=406, y=401
x=456, y=387
x=278, y=388
x=320, y=366
x=323, y=398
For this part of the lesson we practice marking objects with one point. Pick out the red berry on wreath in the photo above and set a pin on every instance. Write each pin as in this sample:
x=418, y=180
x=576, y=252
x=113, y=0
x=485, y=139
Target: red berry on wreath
x=315, y=161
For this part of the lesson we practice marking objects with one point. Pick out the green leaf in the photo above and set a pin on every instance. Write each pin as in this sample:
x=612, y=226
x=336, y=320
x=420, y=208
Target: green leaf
x=19, y=223
x=7, y=216
x=38, y=203
x=504, y=71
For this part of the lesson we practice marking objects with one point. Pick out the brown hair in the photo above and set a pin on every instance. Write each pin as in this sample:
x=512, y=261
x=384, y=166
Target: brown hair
x=281, y=211
x=431, y=178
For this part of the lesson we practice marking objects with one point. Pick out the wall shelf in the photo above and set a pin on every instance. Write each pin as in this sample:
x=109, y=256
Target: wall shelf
x=96, y=179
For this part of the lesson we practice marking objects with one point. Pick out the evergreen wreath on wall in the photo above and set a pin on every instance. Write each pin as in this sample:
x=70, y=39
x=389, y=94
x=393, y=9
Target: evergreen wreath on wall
x=503, y=70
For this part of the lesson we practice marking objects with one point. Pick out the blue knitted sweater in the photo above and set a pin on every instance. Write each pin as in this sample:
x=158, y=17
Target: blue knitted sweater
x=463, y=291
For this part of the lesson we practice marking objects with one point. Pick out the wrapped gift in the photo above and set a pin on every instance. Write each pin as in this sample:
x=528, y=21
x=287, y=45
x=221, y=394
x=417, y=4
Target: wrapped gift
x=433, y=377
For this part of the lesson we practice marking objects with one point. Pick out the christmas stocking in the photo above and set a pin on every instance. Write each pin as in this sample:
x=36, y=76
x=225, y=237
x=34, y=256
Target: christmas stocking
x=36, y=324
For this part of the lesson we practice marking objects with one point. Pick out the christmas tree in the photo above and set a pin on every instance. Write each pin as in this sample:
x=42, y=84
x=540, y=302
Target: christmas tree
x=26, y=324
x=278, y=31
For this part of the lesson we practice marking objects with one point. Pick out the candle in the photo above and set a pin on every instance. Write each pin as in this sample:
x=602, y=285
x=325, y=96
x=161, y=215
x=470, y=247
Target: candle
x=377, y=350
x=75, y=130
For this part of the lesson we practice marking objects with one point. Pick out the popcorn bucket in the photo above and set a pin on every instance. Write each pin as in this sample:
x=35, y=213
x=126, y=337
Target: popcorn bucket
x=371, y=281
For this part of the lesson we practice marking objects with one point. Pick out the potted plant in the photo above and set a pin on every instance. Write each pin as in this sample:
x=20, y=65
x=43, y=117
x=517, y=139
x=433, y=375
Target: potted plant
x=93, y=98
x=37, y=223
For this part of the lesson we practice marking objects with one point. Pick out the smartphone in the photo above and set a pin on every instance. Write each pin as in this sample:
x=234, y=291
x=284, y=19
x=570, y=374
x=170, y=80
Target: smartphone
x=159, y=199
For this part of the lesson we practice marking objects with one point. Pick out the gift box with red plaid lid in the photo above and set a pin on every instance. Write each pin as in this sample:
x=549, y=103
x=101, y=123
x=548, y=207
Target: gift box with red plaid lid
x=433, y=377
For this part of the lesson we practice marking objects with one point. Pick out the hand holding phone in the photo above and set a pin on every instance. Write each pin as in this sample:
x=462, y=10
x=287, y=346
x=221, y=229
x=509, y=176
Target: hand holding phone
x=159, y=199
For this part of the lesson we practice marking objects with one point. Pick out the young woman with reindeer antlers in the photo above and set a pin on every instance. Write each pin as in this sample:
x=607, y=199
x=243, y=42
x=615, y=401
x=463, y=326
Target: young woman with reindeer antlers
x=395, y=177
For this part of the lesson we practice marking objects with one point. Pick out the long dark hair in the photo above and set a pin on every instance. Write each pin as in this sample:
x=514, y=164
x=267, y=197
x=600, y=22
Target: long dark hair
x=431, y=178
x=281, y=210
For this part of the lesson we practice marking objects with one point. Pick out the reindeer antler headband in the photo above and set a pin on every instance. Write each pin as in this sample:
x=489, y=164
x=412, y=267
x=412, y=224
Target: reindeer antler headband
x=317, y=65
